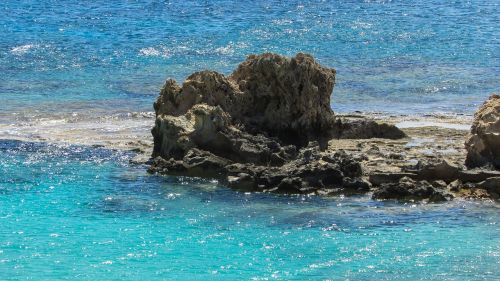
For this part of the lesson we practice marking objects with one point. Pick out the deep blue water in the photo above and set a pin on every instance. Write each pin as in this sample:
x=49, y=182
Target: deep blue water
x=86, y=213
x=393, y=56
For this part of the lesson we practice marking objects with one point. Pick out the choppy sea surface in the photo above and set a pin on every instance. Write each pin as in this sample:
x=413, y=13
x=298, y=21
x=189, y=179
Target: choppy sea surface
x=88, y=71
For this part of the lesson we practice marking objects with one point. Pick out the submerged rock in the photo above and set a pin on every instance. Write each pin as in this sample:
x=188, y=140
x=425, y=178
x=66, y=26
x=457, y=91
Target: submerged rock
x=483, y=143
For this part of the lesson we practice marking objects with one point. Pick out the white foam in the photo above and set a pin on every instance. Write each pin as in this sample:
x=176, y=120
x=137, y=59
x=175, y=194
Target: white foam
x=227, y=50
x=155, y=52
x=23, y=49
x=148, y=52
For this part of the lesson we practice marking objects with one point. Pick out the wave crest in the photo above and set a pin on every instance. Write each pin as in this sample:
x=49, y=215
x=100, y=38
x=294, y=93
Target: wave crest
x=23, y=49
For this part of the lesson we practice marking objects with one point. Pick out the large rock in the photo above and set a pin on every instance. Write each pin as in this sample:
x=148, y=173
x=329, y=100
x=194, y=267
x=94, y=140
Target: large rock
x=288, y=98
x=483, y=144
x=263, y=128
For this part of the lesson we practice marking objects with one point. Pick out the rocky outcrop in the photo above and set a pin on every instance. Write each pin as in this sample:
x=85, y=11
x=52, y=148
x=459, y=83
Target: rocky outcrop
x=203, y=143
x=483, y=143
x=435, y=181
x=367, y=129
x=269, y=127
x=265, y=127
x=287, y=98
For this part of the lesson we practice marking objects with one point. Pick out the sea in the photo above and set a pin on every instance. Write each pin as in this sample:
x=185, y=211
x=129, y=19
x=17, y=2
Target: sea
x=78, y=80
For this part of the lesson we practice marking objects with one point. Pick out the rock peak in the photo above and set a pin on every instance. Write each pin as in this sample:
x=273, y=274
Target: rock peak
x=287, y=98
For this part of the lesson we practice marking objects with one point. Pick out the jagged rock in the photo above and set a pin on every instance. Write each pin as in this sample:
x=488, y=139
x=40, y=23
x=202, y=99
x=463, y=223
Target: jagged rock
x=200, y=163
x=407, y=189
x=208, y=128
x=483, y=143
x=288, y=97
x=455, y=185
x=265, y=127
x=307, y=173
x=208, y=87
x=284, y=97
x=356, y=184
x=439, y=184
x=477, y=175
x=242, y=181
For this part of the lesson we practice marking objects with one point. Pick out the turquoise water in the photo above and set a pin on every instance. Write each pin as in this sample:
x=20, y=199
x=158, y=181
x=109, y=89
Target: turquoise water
x=87, y=214
x=90, y=70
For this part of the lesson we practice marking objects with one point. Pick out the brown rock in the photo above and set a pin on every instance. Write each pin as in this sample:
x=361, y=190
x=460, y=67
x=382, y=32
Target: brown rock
x=483, y=143
x=264, y=127
x=367, y=129
x=379, y=178
x=288, y=97
x=284, y=97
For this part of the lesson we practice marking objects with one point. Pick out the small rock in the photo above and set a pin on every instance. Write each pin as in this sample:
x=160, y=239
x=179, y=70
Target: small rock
x=492, y=185
x=379, y=178
x=455, y=185
x=439, y=184
x=291, y=185
x=356, y=184
x=243, y=182
x=408, y=190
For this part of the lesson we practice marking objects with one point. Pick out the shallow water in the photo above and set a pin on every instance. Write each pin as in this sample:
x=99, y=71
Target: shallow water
x=87, y=73
x=78, y=213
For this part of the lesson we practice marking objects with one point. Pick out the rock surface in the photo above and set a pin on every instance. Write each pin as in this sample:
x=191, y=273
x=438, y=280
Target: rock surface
x=268, y=127
x=263, y=128
x=287, y=98
x=483, y=144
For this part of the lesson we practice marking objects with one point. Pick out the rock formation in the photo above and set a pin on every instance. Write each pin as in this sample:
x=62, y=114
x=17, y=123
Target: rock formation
x=263, y=128
x=287, y=98
x=269, y=127
x=483, y=144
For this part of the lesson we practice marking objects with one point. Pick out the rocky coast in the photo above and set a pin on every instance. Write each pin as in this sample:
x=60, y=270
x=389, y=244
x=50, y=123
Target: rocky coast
x=269, y=127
